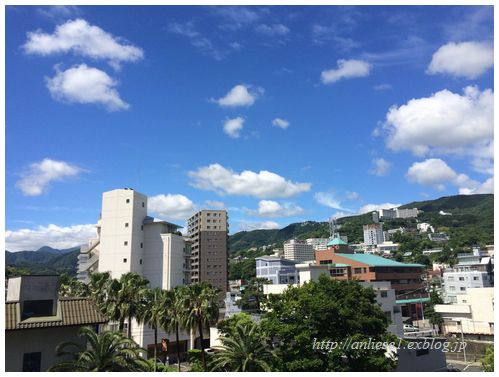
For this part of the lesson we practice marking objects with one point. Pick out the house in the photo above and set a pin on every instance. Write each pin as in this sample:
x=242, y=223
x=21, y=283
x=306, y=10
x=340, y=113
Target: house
x=37, y=320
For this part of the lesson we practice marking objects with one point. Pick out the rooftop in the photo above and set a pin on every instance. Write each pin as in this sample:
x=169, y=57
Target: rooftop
x=376, y=261
x=72, y=312
x=336, y=241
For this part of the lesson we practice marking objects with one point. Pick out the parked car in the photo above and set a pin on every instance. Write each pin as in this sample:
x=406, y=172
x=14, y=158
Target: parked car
x=410, y=328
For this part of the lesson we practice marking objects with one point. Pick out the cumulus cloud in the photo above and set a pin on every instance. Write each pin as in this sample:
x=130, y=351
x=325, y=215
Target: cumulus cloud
x=374, y=207
x=346, y=69
x=254, y=225
x=40, y=174
x=329, y=199
x=465, y=59
x=270, y=208
x=171, y=206
x=263, y=184
x=215, y=204
x=273, y=30
x=352, y=195
x=233, y=127
x=52, y=235
x=381, y=167
x=445, y=122
x=281, y=123
x=436, y=173
x=240, y=95
x=86, y=85
x=81, y=38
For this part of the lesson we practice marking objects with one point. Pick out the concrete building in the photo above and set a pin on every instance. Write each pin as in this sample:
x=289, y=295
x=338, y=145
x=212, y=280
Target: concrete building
x=277, y=270
x=387, y=214
x=373, y=234
x=36, y=321
x=298, y=250
x=128, y=240
x=438, y=237
x=425, y=228
x=317, y=243
x=432, y=251
x=472, y=314
x=208, y=230
x=406, y=213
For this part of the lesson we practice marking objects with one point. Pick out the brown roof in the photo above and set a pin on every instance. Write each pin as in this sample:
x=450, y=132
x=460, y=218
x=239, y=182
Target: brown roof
x=73, y=312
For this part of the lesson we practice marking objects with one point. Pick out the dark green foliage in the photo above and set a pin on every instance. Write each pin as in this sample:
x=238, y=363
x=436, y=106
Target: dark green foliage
x=244, y=269
x=228, y=326
x=434, y=317
x=326, y=310
x=44, y=261
x=488, y=360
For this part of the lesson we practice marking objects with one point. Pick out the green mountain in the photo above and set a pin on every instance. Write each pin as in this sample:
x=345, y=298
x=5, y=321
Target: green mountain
x=471, y=221
x=45, y=260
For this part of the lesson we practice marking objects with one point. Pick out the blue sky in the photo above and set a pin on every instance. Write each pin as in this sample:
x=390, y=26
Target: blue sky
x=279, y=114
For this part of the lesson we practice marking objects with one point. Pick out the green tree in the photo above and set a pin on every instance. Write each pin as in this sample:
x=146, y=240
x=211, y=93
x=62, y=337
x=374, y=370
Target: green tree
x=71, y=287
x=326, y=310
x=242, y=351
x=488, y=360
x=228, y=326
x=124, y=298
x=253, y=296
x=202, y=309
x=98, y=287
x=434, y=317
x=105, y=352
x=153, y=312
x=176, y=314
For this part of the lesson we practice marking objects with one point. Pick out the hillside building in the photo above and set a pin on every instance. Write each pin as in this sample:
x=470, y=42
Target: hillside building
x=373, y=234
x=277, y=270
x=298, y=250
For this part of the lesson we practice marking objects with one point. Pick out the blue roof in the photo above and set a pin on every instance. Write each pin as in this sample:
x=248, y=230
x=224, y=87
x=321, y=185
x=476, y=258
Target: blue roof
x=336, y=241
x=412, y=301
x=375, y=261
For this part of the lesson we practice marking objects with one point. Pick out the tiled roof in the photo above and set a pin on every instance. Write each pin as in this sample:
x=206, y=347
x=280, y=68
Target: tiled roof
x=376, y=261
x=73, y=312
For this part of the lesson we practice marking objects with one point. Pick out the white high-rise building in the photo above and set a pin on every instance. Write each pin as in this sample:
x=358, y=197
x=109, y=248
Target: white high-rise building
x=298, y=251
x=128, y=240
x=318, y=243
x=373, y=234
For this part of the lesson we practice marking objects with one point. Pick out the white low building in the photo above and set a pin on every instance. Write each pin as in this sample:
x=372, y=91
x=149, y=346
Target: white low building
x=472, y=314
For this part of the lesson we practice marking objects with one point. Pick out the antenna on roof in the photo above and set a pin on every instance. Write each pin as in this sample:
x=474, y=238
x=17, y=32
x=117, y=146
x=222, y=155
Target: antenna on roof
x=333, y=228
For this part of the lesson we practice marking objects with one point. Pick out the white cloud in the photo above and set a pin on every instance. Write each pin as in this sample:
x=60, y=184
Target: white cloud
x=382, y=87
x=171, y=206
x=215, y=204
x=436, y=173
x=346, y=69
x=329, y=199
x=263, y=184
x=282, y=123
x=200, y=42
x=233, y=127
x=432, y=172
x=81, y=38
x=52, y=235
x=466, y=59
x=40, y=174
x=352, y=195
x=83, y=84
x=374, y=207
x=381, y=167
x=270, y=208
x=240, y=95
x=56, y=12
x=272, y=30
x=251, y=225
x=444, y=123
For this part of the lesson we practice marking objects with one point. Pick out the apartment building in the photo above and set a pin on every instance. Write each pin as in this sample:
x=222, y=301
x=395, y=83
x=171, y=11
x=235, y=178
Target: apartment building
x=317, y=243
x=208, y=230
x=373, y=234
x=298, y=250
x=128, y=240
x=277, y=270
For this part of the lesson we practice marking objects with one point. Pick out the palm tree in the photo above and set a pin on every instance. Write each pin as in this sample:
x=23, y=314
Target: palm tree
x=242, y=351
x=105, y=352
x=153, y=312
x=175, y=313
x=201, y=310
x=98, y=286
x=124, y=298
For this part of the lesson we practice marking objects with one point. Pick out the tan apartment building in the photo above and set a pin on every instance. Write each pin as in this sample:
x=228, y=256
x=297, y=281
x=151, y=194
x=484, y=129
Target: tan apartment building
x=208, y=231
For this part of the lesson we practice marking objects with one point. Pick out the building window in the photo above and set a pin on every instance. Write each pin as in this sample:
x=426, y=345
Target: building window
x=124, y=260
x=37, y=308
x=128, y=200
x=141, y=245
x=462, y=289
x=32, y=362
x=126, y=225
x=452, y=288
x=357, y=270
x=140, y=261
x=475, y=277
x=125, y=243
x=142, y=227
x=461, y=278
x=384, y=293
x=143, y=205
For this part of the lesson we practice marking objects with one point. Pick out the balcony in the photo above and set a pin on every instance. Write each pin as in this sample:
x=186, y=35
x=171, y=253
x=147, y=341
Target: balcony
x=94, y=258
x=84, y=249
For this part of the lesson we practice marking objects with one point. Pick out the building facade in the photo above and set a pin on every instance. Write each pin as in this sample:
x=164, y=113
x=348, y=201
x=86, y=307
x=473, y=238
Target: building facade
x=277, y=270
x=208, y=230
x=298, y=250
x=318, y=243
x=373, y=234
